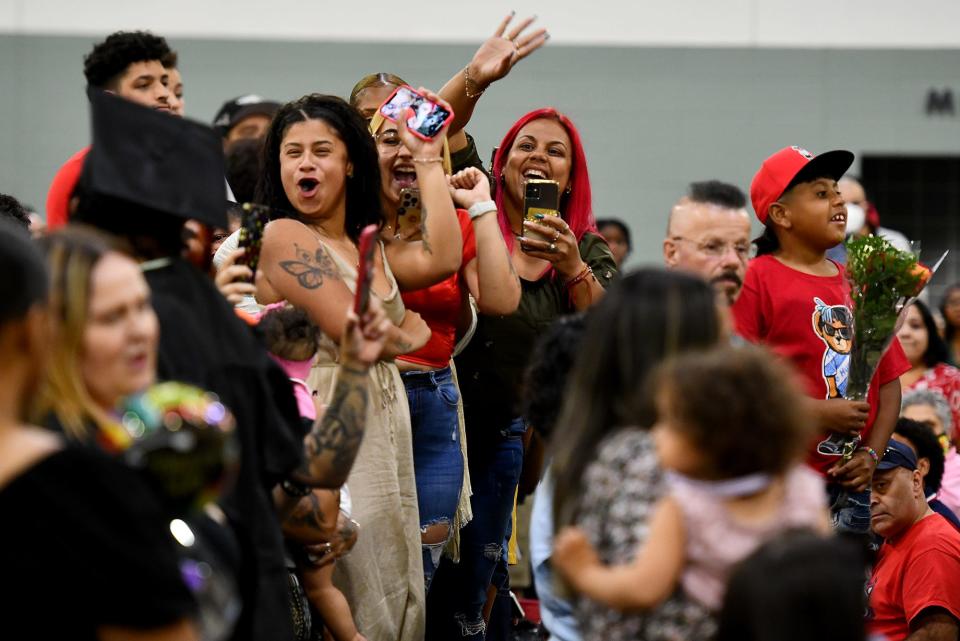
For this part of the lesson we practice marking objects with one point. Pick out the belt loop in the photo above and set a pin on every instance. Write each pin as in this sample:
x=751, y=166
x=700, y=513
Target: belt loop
x=433, y=378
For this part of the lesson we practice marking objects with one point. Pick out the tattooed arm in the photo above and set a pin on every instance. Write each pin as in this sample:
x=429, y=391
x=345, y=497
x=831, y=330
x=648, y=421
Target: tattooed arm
x=332, y=445
x=295, y=267
x=436, y=256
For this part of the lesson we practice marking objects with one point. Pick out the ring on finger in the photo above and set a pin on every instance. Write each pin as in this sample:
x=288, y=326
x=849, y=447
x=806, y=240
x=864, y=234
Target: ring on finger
x=556, y=236
x=553, y=248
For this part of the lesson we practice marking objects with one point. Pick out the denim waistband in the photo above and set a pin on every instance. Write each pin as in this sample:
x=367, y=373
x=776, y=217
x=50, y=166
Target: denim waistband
x=432, y=379
x=516, y=428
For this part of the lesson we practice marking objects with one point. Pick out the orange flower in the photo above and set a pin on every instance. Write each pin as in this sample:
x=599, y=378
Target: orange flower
x=923, y=274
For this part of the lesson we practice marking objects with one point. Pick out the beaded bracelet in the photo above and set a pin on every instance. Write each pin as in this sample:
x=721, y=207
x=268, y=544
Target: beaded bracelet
x=579, y=278
x=872, y=452
x=466, y=84
x=427, y=160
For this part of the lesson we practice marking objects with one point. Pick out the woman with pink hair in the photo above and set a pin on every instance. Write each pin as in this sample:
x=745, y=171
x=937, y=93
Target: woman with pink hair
x=564, y=266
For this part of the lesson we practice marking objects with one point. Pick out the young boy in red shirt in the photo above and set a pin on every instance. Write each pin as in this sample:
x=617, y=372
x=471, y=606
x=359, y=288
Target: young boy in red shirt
x=797, y=302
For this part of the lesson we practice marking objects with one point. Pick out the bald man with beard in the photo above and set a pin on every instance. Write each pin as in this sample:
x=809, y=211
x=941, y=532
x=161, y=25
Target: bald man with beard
x=709, y=235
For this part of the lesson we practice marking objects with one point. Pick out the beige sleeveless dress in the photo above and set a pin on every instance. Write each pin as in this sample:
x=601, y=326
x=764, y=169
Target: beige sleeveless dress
x=382, y=578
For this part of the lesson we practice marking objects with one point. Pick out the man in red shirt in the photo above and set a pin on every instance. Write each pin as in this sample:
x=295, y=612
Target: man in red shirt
x=133, y=65
x=914, y=593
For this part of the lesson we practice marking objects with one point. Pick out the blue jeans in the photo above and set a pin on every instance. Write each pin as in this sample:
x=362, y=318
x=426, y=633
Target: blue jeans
x=849, y=511
x=437, y=460
x=455, y=610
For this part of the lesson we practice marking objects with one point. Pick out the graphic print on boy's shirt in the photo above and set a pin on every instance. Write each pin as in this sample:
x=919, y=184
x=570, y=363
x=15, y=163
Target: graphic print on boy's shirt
x=834, y=325
x=777, y=308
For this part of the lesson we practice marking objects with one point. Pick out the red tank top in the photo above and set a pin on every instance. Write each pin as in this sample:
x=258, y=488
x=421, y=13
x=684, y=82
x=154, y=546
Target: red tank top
x=439, y=305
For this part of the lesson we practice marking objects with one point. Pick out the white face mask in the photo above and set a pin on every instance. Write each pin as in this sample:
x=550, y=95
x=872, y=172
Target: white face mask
x=856, y=218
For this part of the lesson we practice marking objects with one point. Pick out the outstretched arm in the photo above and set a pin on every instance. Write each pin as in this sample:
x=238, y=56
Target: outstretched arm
x=332, y=445
x=436, y=256
x=492, y=61
x=642, y=584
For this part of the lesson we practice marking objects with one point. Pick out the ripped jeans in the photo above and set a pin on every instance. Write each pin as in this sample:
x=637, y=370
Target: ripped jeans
x=437, y=460
x=455, y=605
x=849, y=511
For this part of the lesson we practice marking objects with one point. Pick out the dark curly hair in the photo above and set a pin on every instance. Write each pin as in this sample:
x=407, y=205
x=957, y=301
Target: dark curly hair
x=363, y=188
x=289, y=333
x=927, y=446
x=104, y=65
x=546, y=377
x=740, y=406
x=12, y=210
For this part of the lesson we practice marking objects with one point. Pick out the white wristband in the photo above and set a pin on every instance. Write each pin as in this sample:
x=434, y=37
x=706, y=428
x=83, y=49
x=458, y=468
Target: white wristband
x=481, y=208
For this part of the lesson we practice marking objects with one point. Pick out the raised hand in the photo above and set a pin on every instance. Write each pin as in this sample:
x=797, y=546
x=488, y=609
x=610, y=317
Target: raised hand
x=501, y=51
x=469, y=187
x=418, y=147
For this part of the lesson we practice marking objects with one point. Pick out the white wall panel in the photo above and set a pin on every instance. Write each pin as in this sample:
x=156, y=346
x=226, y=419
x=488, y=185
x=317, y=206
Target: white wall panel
x=739, y=23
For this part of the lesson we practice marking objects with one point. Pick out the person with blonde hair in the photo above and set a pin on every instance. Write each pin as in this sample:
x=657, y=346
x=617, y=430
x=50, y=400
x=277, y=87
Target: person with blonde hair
x=81, y=529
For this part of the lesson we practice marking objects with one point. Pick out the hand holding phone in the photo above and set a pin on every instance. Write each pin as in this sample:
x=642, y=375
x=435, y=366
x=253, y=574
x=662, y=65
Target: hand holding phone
x=541, y=197
x=368, y=244
x=426, y=114
x=252, y=222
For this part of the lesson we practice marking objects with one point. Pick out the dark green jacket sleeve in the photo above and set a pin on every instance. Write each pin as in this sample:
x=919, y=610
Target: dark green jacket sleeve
x=595, y=252
x=468, y=157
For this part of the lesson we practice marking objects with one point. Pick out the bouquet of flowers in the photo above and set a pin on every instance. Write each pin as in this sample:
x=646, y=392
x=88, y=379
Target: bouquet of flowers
x=883, y=282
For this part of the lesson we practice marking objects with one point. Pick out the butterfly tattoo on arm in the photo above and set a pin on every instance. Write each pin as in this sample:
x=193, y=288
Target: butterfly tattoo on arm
x=310, y=269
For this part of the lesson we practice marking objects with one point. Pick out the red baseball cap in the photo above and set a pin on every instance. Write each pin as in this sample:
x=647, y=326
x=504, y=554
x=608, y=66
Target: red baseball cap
x=782, y=168
x=61, y=190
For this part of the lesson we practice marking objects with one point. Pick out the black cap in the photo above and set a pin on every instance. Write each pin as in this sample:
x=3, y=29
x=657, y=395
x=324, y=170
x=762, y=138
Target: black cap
x=144, y=162
x=233, y=111
x=897, y=454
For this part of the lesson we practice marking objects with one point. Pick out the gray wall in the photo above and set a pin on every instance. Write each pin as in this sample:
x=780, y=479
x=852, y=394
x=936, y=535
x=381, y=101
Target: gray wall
x=652, y=119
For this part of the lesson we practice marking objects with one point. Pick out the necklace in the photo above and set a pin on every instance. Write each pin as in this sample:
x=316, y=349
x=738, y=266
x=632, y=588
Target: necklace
x=396, y=234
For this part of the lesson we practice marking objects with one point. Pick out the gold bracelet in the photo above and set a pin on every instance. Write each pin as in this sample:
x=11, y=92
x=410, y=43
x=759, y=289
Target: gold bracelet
x=427, y=160
x=466, y=84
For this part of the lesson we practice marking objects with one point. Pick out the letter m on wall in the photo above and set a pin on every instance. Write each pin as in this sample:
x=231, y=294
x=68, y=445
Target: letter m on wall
x=940, y=102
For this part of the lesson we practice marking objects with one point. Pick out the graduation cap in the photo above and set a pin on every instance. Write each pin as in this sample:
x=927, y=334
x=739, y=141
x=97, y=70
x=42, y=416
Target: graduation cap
x=145, y=163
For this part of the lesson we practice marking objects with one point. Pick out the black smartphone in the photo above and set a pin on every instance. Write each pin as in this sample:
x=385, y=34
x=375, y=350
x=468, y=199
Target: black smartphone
x=252, y=222
x=540, y=197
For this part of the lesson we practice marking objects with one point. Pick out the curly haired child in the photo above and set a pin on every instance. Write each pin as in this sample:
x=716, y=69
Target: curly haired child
x=731, y=432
